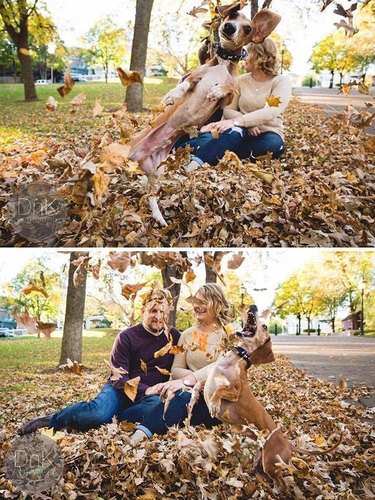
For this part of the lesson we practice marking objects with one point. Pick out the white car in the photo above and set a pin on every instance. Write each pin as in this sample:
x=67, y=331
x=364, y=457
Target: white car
x=43, y=82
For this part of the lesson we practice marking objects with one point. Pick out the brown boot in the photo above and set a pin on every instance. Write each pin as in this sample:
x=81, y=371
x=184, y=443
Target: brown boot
x=35, y=424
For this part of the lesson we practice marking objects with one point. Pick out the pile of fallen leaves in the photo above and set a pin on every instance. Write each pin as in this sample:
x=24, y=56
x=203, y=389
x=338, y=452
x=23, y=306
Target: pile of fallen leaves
x=197, y=463
x=321, y=193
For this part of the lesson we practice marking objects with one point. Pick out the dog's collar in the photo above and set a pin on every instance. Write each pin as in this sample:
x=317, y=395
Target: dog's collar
x=228, y=56
x=243, y=354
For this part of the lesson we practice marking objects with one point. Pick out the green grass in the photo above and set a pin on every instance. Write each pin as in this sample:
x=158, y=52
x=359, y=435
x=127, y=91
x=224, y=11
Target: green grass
x=28, y=121
x=31, y=355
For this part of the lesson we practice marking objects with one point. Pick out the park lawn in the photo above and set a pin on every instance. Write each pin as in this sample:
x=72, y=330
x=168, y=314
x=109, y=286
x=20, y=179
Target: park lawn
x=27, y=121
x=318, y=194
x=99, y=463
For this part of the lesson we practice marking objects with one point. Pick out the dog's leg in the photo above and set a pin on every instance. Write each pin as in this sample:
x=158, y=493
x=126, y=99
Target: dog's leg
x=223, y=392
x=197, y=390
x=221, y=91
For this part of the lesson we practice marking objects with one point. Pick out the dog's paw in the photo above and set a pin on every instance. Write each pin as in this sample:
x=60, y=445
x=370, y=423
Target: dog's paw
x=170, y=98
x=214, y=409
x=216, y=93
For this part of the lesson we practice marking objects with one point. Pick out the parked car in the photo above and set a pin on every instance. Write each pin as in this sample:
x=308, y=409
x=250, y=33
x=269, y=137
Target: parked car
x=43, y=82
x=77, y=77
x=4, y=332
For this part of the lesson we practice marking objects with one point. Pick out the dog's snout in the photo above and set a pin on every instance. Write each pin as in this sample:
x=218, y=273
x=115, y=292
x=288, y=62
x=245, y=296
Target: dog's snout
x=229, y=29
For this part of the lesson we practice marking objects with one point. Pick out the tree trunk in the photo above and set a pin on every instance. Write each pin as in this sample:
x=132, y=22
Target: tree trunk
x=174, y=288
x=308, y=324
x=299, y=324
x=331, y=81
x=134, y=92
x=74, y=313
x=333, y=320
x=23, y=52
x=341, y=78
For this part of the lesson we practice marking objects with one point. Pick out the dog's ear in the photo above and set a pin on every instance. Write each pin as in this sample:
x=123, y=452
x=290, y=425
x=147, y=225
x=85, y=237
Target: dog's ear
x=264, y=22
x=263, y=354
x=225, y=10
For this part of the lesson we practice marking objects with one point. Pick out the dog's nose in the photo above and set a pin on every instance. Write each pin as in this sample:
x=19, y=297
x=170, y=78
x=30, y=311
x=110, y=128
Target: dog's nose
x=229, y=28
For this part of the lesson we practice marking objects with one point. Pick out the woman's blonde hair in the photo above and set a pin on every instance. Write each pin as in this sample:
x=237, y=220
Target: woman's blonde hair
x=214, y=296
x=265, y=55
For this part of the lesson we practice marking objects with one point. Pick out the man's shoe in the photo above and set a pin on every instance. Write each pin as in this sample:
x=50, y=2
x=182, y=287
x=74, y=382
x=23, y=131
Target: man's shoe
x=35, y=424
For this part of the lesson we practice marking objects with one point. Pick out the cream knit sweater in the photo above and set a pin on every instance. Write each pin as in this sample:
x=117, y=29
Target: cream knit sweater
x=201, y=351
x=250, y=103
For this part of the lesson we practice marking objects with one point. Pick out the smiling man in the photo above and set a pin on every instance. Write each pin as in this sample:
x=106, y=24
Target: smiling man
x=133, y=350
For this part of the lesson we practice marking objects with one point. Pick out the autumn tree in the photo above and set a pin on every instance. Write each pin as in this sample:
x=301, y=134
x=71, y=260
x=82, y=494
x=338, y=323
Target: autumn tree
x=106, y=45
x=36, y=290
x=71, y=346
x=289, y=299
x=16, y=15
x=134, y=92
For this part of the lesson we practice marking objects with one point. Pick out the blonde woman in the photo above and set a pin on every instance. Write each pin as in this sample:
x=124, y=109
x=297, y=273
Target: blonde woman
x=252, y=124
x=201, y=345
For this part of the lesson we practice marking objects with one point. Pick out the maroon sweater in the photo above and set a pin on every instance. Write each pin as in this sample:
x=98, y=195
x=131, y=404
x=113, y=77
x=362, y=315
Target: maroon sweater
x=135, y=344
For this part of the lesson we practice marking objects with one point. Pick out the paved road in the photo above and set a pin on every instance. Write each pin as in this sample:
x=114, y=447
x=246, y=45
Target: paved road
x=329, y=357
x=332, y=101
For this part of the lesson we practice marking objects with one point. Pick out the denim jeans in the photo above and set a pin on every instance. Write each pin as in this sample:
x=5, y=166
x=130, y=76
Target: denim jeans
x=206, y=149
x=108, y=403
x=155, y=423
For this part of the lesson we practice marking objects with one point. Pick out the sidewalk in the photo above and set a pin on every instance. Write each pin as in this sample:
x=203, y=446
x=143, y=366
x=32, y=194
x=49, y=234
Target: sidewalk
x=333, y=101
x=328, y=358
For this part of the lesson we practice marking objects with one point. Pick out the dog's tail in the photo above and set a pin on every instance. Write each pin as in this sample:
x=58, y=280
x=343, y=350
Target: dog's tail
x=319, y=452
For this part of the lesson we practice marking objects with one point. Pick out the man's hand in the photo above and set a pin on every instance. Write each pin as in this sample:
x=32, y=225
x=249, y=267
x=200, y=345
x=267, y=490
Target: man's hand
x=172, y=385
x=254, y=131
x=155, y=389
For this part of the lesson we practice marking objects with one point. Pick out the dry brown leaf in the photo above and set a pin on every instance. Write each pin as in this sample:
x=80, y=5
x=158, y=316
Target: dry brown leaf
x=68, y=85
x=131, y=388
x=98, y=108
x=163, y=371
x=143, y=366
x=235, y=261
x=164, y=350
x=128, y=290
x=129, y=77
x=73, y=367
x=119, y=261
x=77, y=102
x=115, y=154
x=51, y=104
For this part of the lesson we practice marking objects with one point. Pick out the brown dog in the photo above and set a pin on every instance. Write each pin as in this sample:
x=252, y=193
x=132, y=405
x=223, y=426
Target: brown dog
x=206, y=89
x=229, y=397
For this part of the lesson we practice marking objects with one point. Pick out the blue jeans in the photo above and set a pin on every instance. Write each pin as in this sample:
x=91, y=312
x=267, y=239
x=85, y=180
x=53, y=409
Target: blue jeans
x=155, y=423
x=206, y=149
x=108, y=403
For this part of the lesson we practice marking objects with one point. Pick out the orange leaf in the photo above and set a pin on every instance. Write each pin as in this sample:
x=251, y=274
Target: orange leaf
x=119, y=261
x=131, y=388
x=177, y=349
x=273, y=101
x=129, y=77
x=33, y=288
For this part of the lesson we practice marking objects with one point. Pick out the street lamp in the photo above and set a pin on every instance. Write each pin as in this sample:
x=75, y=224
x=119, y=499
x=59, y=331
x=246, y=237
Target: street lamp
x=362, y=288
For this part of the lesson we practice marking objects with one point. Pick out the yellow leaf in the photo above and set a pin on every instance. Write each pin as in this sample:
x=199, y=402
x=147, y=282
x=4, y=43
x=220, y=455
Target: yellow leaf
x=273, y=101
x=164, y=350
x=351, y=178
x=144, y=366
x=319, y=440
x=163, y=371
x=100, y=182
x=131, y=387
x=215, y=134
x=276, y=201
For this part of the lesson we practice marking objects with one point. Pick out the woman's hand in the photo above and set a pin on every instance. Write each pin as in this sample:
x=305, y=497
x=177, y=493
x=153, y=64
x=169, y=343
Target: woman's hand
x=254, y=131
x=155, y=389
x=208, y=127
x=172, y=385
